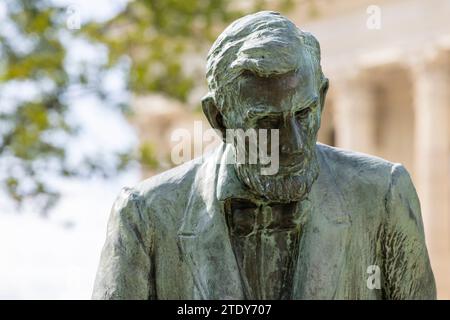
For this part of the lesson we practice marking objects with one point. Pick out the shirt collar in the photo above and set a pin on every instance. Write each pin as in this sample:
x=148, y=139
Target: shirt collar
x=228, y=183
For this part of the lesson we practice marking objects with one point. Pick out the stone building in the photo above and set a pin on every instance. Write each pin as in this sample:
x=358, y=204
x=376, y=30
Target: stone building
x=389, y=68
x=390, y=96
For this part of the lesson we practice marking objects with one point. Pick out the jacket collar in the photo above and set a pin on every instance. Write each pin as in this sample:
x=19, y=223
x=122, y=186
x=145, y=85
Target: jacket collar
x=228, y=184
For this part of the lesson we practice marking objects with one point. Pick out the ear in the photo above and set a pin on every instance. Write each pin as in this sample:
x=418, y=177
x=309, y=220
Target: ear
x=213, y=114
x=323, y=92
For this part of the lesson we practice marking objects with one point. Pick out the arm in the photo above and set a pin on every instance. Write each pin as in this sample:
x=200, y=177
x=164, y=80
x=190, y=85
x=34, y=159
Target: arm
x=407, y=270
x=125, y=270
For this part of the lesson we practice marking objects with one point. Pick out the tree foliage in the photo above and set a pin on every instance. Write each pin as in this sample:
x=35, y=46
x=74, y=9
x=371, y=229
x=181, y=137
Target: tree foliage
x=158, y=37
x=161, y=36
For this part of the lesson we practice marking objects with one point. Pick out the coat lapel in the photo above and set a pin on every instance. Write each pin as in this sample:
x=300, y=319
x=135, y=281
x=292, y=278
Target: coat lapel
x=203, y=237
x=322, y=252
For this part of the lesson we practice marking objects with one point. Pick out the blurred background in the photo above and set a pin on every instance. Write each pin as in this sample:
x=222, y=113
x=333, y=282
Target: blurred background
x=91, y=91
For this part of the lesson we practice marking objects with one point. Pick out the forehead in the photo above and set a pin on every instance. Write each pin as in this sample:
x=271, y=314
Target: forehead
x=278, y=92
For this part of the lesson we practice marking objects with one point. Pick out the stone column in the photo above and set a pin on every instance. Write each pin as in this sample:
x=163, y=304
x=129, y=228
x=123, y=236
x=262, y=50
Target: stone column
x=355, y=115
x=432, y=162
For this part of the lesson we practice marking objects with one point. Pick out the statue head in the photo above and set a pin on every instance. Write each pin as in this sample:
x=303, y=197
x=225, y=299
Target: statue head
x=264, y=73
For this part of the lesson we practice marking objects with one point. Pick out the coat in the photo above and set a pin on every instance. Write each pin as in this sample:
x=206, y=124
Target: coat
x=167, y=237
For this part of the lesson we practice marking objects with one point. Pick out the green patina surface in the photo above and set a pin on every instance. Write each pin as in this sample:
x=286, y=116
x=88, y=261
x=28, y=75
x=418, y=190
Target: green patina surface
x=209, y=229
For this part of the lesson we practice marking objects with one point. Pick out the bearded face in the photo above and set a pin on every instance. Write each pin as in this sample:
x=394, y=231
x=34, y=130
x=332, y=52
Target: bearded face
x=264, y=73
x=292, y=106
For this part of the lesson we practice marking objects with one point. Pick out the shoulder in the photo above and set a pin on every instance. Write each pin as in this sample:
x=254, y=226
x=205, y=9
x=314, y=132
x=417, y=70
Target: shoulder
x=167, y=190
x=162, y=190
x=171, y=183
x=351, y=165
x=357, y=163
x=354, y=162
x=369, y=178
x=156, y=202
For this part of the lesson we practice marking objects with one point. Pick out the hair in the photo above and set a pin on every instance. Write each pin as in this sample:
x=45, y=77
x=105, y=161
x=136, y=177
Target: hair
x=265, y=43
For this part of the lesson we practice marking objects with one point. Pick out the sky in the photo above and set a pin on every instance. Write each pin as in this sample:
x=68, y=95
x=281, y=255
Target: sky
x=57, y=257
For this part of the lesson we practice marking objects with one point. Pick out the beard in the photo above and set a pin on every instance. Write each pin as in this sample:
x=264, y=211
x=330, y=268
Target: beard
x=287, y=185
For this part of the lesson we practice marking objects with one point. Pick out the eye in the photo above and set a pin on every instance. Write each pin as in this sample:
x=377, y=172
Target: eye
x=303, y=114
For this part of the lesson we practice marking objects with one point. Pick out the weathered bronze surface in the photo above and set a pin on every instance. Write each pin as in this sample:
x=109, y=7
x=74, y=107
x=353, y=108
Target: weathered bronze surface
x=209, y=229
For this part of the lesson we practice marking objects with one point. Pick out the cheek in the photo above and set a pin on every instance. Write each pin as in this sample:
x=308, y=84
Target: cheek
x=233, y=118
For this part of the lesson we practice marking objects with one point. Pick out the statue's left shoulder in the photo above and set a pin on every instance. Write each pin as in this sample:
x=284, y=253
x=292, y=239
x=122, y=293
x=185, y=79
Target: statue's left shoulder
x=363, y=181
x=356, y=170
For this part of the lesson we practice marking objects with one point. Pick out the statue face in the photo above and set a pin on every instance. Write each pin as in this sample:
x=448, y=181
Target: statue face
x=290, y=103
x=264, y=73
x=287, y=102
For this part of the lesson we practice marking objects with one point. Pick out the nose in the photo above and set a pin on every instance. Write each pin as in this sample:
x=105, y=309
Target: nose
x=292, y=140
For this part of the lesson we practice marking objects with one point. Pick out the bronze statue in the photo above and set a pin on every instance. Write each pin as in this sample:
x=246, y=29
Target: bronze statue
x=329, y=224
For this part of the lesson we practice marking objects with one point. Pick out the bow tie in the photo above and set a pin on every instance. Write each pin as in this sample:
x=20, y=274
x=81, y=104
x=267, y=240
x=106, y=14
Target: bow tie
x=245, y=217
